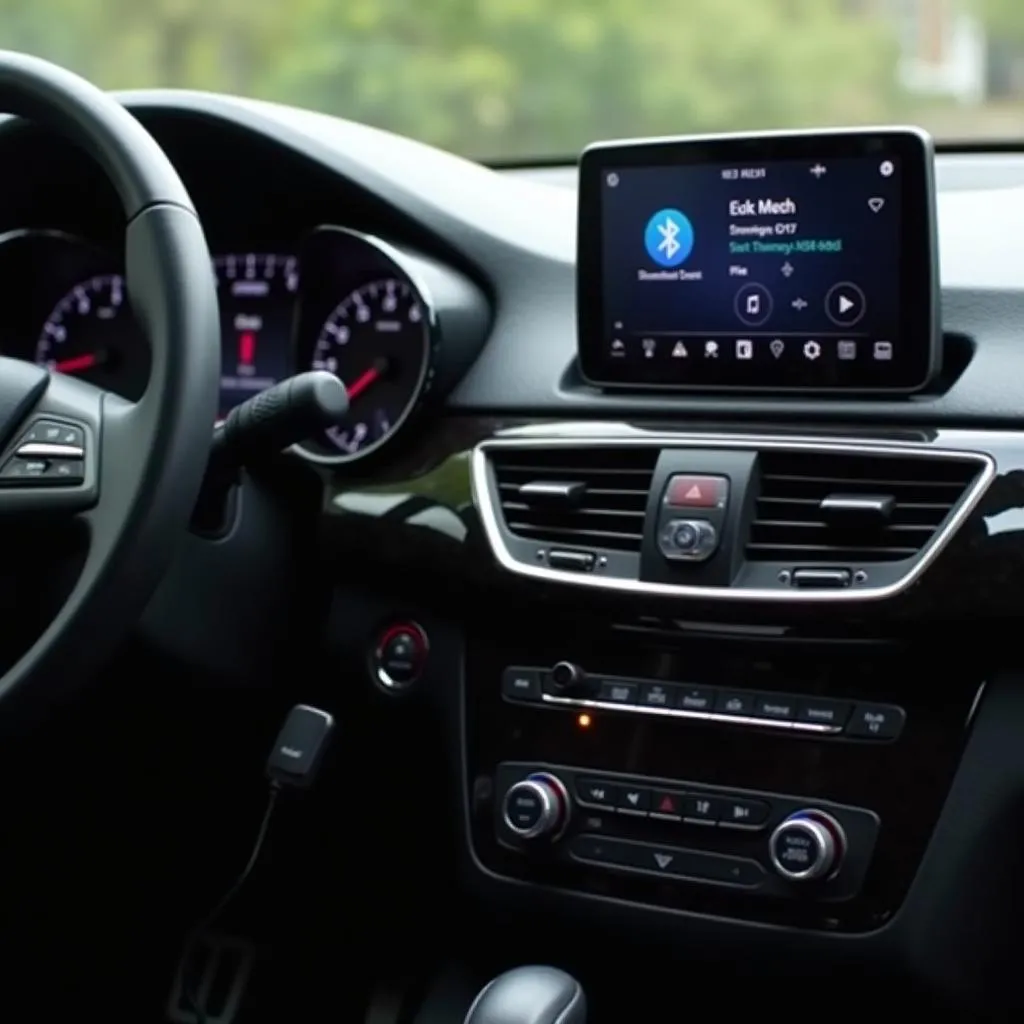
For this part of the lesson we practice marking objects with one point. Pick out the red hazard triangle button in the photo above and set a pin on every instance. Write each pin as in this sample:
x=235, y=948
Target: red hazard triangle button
x=697, y=491
x=667, y=804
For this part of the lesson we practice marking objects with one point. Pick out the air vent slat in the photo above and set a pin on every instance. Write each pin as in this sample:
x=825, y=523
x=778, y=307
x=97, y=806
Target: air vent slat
x=609, y=513
x=791, y=525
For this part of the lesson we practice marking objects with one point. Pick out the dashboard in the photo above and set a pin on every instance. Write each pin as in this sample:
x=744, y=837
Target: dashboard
x=803, y=744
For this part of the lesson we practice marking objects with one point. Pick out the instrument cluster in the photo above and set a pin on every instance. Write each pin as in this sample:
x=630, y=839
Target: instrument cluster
x=342, y=301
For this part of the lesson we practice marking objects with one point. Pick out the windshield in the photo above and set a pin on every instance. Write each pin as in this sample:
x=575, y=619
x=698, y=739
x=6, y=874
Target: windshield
x=519, y=80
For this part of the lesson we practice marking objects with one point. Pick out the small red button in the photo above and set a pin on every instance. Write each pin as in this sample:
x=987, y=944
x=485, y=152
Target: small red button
x=697, y=491
x=669, y=804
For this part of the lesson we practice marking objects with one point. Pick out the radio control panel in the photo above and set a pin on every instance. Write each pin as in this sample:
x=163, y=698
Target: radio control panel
x=566, y=684
x=770, y=844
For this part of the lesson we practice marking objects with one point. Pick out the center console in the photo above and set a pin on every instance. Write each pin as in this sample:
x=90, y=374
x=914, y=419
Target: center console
x=742, y=776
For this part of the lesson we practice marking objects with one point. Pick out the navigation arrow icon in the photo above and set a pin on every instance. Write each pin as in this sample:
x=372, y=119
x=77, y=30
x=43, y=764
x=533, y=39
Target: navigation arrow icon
x=876, y=203
x=663, y=860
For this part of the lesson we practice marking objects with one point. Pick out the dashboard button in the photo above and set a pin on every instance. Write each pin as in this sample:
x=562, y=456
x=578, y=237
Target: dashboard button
x=702, y=810
x=632, y=800
x=823, y=711
x=696, y=698
x=399, y=656
x=876, y=721
x=729, y=702
x=776, y=706
x=617, y=691
x=738, y=812
x=595, y=792
x=521, y=684
x=657, y=695
x=683, y=491
x=671, y=861
x=667, y=804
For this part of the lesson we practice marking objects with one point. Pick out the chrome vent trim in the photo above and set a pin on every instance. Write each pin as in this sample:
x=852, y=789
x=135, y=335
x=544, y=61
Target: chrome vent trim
x=579, y=501
x=894, y=504
x=484, y=494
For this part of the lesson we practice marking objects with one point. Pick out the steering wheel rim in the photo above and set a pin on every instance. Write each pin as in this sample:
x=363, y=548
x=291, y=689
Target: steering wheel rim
x=141, y=464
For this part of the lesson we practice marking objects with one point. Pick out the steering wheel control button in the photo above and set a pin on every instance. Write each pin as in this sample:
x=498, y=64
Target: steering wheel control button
x=685, y=491
x=845, y=304
x=688, y=540
x=876, y=722
x=521, y=684
x=54, y=432
x=537, y=807
x=399, y=656
x=20, y=471
x=808, y=846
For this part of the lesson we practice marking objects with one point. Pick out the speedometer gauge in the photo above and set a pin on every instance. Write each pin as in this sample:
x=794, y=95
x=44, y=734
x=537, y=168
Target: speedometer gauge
x=91, y=334
x=378, y=341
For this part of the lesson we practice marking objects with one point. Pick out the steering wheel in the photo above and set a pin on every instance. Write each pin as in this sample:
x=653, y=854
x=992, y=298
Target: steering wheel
x=131, y=472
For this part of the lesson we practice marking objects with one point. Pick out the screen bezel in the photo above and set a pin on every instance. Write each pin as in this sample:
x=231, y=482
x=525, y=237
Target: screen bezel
x=919, y=276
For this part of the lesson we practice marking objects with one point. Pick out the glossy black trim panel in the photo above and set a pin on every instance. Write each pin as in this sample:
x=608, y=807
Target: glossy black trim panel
x=419, y=518
x=504, y=548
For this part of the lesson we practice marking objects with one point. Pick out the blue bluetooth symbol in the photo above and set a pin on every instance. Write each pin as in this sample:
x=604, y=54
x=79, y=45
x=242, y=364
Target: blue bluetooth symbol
x=669, y=237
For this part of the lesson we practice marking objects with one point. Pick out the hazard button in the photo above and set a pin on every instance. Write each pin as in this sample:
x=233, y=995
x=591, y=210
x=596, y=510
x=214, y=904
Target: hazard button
x=685, y=491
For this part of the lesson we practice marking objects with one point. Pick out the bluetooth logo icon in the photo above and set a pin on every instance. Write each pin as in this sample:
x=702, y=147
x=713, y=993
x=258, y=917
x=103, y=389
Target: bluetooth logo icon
x=669, y=238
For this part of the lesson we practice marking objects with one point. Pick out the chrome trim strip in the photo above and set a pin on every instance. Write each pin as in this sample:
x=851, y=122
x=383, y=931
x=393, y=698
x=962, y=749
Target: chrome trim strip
x=489, y=512
x=702, y=716
x=42, y=450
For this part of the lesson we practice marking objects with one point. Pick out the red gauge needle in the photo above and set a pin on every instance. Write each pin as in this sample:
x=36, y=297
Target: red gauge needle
x=366, y=378
x=362, y=382
x=76, y=364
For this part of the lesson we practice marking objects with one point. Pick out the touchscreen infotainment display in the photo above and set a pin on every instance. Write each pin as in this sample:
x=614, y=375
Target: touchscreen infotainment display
x=775, y=262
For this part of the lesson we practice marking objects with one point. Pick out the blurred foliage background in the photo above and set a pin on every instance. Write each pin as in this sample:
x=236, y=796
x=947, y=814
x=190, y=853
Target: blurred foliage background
x=515, y=79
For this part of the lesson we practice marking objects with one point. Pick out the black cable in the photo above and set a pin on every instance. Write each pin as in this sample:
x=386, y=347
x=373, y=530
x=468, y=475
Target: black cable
x=191, y=997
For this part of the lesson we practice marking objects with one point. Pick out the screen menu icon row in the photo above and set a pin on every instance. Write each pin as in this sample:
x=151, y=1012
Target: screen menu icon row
x=745, y=349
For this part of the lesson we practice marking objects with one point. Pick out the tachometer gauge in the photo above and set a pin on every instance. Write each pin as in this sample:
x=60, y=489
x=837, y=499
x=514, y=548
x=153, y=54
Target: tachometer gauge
x=91, y=334
x=378, y=341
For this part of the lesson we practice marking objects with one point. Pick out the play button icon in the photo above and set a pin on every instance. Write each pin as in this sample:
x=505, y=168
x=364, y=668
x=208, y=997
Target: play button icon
x=845, y=304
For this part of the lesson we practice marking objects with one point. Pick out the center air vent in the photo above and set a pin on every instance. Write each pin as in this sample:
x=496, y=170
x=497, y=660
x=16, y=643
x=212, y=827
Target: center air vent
x=852, y=508
x=589, y=497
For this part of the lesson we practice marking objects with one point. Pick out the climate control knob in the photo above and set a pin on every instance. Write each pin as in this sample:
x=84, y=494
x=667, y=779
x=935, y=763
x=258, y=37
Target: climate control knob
x=808, y=846
x=537, y=807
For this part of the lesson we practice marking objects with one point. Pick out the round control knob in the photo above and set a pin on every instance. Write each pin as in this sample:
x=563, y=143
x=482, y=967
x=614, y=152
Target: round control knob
x=807, y=846
x=537, y=807
x=566, y=677
x=688, y=540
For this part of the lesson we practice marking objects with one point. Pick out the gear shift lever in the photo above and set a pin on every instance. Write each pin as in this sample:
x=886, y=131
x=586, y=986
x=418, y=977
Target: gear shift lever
x=530, y=995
